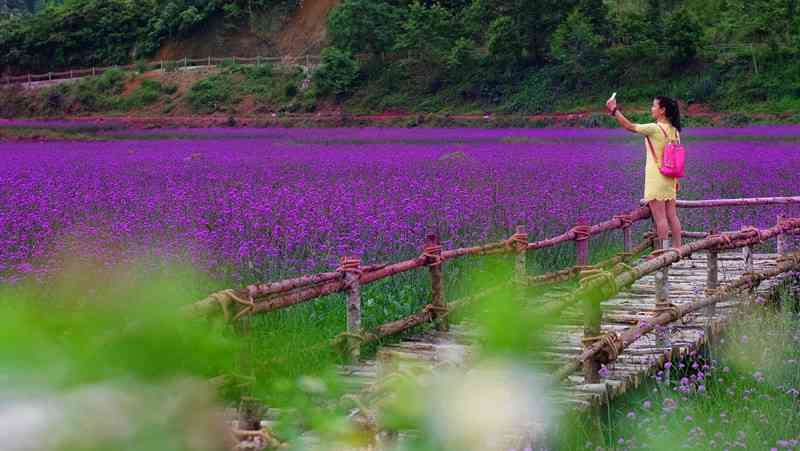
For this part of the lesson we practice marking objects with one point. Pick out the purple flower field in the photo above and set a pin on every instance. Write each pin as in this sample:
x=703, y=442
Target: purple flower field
x=267, y=203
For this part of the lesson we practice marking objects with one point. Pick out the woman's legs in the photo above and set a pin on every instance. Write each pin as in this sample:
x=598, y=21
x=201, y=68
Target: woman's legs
x=658, y=210
x=674, y=222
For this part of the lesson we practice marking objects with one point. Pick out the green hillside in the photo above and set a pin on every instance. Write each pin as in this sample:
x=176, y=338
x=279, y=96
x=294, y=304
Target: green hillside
x=458, y=56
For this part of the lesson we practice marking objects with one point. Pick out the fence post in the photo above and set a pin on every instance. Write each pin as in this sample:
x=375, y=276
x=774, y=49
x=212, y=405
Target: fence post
x=712, y=282
x=258, y=60
x=581, y=243
x=592, y=320
x=162, y=66
x=662, y=292
x=29, y=78
x=209, y=62
x=351, y=267
x=521, y=246
x=781, y=239
x=185, y=62
x=93, y=72
x=433, y=252
x=627, y=240
x=50, y=76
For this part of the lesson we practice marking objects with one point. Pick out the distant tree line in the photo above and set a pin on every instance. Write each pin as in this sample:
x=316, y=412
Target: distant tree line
x=44, y=35
x=487, y=49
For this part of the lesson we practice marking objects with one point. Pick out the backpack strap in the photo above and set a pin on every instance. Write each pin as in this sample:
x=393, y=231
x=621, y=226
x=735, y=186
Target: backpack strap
x=652, y=150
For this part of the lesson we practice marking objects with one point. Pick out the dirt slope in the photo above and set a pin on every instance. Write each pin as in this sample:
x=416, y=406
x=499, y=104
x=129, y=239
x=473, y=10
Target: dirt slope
x=306, y=30
x=300, y=33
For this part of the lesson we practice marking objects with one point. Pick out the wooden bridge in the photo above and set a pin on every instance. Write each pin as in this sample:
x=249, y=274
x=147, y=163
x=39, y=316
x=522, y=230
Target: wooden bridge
x=627, y=317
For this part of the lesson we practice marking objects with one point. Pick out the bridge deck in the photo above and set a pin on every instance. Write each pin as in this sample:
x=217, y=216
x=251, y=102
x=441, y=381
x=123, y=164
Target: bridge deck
x=427, y=351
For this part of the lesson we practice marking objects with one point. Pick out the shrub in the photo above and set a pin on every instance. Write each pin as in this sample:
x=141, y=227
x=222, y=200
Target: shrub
x=737, y=120
x=536, y=95
x=211, y=94
x=338, y=72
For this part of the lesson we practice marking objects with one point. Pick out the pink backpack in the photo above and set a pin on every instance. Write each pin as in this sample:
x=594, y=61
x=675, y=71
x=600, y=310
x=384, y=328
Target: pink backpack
x=672, y=164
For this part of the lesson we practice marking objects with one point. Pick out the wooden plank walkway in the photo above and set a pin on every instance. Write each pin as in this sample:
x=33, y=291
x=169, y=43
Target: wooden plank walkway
x=432, y=350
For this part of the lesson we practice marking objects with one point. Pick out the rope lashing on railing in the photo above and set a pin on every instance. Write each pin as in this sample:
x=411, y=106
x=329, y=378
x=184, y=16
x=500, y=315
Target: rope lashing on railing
x=607, y=288
x=518, y=241
x=625, y=220
x=350, y=265
x=582, y=232
x=609, y=341
x=441, y=311
x=671, y=308
x=432, y=254
x=227, y=297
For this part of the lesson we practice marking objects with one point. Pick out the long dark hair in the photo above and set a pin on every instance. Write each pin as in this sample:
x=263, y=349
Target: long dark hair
x=672, y=111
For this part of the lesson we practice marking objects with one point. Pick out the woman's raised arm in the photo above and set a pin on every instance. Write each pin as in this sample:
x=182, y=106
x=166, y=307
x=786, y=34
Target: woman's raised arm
x=614, y=111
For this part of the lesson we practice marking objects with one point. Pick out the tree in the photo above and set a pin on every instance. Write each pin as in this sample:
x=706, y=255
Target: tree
x=506, y=45
x=338, y=72
x=427, y=33
x=577, y=49
x=364, y=26
x=682, y=35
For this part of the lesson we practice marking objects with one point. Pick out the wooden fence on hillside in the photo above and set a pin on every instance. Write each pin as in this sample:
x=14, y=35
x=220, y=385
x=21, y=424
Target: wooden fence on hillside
x=596, y=282
x=307, y=62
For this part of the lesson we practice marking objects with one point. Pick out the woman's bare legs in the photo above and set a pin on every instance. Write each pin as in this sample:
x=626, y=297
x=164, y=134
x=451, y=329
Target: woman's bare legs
x=658, y=210
x=674, y=223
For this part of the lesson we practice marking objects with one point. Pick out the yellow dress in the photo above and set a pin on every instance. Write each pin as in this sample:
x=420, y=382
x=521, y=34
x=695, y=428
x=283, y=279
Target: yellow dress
x=657, y=186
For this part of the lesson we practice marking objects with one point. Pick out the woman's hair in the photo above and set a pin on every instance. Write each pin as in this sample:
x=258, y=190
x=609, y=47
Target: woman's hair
x=672, y=111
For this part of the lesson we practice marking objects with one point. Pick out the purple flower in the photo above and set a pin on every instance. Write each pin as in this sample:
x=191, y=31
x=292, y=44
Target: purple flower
x=603, y=371
x=647, y=404
x=668, y=365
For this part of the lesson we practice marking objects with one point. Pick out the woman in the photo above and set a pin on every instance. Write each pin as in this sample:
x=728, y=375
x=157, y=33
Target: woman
x=660, y=192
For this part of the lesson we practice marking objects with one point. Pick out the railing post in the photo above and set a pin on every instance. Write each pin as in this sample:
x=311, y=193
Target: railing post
x=351, y=267
x=433, y=252
x=662, y=291
x=627, y=240
x=521, y=247
x=162, y=65
x=209, y=62
x=581, y=244
x=592, y=320
x=712, y=282
x=781, y=239
x=185, y=62
x=50, y=76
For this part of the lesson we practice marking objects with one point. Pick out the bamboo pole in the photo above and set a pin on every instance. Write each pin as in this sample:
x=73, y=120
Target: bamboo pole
x=582, y=234
x=521, y=246
x=781, y=240
x=622, y=340
x=592, y=320
x=627, y=241
x=351, y=267
x=432, y=250
x=712, y=282
x=738, y=202
x=662, y=291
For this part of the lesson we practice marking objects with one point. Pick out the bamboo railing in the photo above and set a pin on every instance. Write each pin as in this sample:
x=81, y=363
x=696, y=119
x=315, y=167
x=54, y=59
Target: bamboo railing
x=235, y=304
x=305, y=61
